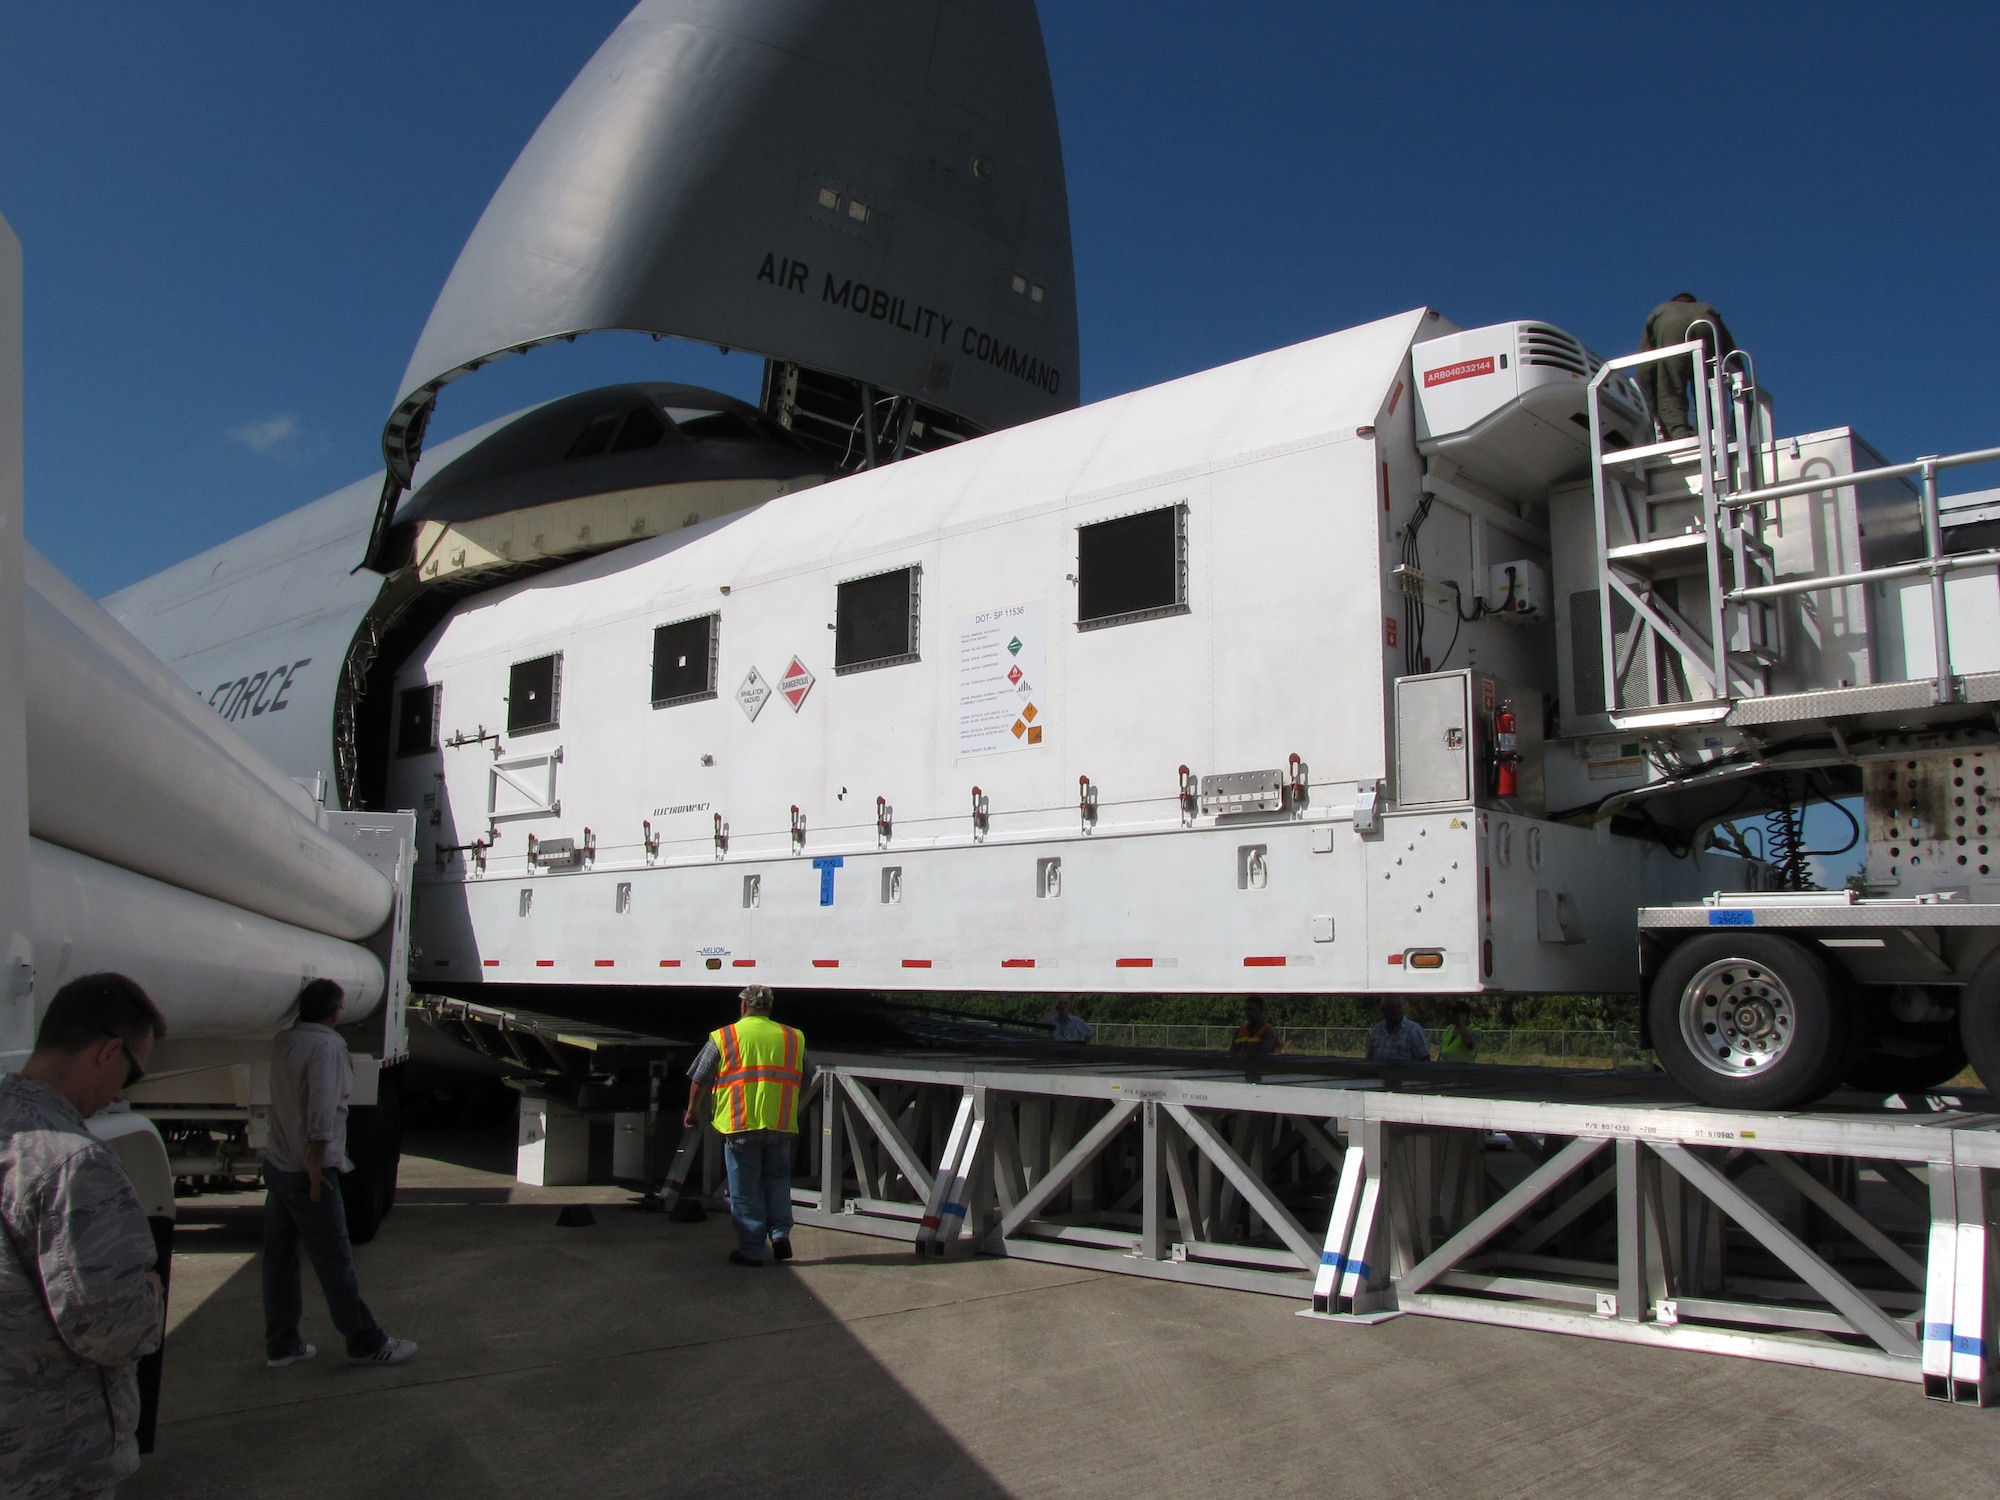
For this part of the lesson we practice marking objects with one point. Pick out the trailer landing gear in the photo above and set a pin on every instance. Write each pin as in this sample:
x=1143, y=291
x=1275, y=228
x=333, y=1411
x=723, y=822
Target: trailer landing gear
x=1749, y=1020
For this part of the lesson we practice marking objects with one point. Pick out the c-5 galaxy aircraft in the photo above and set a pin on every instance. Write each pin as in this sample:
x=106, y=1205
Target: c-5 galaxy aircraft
x=879, y=212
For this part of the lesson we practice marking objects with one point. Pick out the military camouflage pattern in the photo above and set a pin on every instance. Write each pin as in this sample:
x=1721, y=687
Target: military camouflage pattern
x=76, y=1306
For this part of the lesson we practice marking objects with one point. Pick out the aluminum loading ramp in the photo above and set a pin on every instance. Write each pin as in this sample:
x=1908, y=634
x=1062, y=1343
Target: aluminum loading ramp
x=1856, y=1237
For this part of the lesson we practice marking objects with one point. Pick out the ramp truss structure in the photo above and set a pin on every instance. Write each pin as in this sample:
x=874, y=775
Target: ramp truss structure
x=1863, y=1238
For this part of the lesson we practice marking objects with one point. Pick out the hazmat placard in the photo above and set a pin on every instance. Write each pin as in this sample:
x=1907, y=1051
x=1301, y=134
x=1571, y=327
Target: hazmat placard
x=1002, y=697
x=795, y=684
x=751, y=693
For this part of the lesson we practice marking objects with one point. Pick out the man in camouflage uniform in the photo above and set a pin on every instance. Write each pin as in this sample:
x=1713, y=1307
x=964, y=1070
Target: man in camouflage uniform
x=79, y=1300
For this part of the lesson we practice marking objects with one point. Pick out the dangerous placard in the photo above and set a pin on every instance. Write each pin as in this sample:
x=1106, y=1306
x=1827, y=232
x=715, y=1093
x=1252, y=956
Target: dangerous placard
x=796, y=683
x=751, y=693
x=1002, y=699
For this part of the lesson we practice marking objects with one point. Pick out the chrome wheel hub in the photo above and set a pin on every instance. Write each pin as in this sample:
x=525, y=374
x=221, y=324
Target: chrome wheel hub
x=1737, y=1017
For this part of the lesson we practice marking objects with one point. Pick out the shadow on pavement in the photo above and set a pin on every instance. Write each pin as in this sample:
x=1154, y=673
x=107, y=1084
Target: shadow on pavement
x=628, y=1358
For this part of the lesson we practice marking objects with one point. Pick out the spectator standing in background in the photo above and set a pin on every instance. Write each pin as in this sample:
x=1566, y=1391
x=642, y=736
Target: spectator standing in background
x=1395, y=1038
x=311, y=1079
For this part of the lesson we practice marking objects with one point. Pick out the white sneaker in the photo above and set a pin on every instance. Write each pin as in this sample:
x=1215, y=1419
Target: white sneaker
x=392, y=1352
x=304, y=1351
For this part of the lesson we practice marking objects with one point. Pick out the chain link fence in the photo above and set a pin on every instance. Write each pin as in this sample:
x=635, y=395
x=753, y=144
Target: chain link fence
x=1572, y=1049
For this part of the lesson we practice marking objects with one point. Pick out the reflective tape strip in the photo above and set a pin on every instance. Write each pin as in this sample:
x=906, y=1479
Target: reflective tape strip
x=545, y=963
x=1017, y=963
x=605, y=963
x=1273, y=961
x=1132, y=963
x=743, y=963
x=670, y=963
x=916, y=963
x=492, y=963
x=826, y=963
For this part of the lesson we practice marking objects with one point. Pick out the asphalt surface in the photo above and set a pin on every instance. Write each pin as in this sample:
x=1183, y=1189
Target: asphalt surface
x=629, y=1358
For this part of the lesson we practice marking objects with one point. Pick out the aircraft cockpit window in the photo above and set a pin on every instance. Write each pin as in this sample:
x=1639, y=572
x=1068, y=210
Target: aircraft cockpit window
x=684, y=659
x=712, y=426
x=618, y=432
x=417, y=720
x=875, y=621
x=534, y=690
x=1132, y=568
x=643, y=429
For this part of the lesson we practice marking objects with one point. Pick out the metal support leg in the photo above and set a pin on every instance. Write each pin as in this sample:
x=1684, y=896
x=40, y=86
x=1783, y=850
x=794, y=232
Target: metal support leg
x=1339, y=1229
x=1972, y=1299
x=1941, y=1280
x=832, y=1184
x=683, y=1163
x=946, y=1182
x=1152, y=1216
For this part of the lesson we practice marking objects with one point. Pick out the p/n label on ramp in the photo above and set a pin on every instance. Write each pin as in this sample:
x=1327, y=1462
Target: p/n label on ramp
x=1732, y=917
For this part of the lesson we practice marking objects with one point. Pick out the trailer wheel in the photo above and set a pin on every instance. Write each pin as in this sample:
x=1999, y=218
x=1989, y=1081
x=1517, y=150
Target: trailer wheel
x=1979, y=1021
x=1749, y=1020
x=1905, y=1057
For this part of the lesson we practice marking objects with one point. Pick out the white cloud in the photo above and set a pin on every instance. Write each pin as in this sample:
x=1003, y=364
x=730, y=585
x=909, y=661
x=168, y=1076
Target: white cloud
x=262, y=437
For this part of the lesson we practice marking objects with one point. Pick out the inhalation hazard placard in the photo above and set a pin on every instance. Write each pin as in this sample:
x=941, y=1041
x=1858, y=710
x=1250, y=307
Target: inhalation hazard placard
x=1002, y=698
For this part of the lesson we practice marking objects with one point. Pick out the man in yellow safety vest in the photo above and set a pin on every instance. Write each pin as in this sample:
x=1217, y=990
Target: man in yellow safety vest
x=756, y=1070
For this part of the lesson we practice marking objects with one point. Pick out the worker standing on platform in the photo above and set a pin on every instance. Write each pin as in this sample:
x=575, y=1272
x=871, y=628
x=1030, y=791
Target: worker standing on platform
x=1458, y=1042
x=1256, y=1037
x=756, y=1069
x=1065, y=1026
x=1395, y=1038
x=1666, y=383
x=80, y=1300
x=312, y=1076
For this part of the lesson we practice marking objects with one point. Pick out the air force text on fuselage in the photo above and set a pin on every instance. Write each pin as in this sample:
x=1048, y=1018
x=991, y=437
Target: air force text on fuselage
x=884, y=306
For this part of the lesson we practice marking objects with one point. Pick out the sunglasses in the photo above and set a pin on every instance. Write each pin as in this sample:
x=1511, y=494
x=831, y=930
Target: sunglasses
x=133, y=1072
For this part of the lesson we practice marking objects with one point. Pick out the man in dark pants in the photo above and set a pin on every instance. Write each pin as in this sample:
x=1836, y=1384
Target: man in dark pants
x=1666, y=382
x=755, y=1071
x=311, y=1079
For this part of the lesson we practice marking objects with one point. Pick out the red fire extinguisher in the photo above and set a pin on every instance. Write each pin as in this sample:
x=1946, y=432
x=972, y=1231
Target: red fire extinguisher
x=1506, y=751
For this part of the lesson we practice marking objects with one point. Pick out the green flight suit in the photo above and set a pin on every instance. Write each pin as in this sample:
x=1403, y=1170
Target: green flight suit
x=1666, y=383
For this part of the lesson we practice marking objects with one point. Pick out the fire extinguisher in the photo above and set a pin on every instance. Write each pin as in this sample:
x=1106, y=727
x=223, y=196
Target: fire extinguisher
x=1506, y=751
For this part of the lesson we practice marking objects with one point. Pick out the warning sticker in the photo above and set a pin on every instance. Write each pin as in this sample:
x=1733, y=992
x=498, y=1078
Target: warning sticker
x=1001, y=695
x=796, y=683
x=751, y=694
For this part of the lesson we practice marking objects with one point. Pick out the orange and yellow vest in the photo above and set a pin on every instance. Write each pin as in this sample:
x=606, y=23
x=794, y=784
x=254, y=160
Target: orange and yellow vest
x=762, y=1071
x=1247, y=1040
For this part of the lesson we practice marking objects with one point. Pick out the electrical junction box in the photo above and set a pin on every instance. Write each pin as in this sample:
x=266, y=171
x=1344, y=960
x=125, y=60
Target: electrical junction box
x=1518, y=591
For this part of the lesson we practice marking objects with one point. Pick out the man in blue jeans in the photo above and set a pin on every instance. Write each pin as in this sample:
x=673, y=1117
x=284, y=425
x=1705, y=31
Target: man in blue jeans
x=756, y=1070
x=311, y=1079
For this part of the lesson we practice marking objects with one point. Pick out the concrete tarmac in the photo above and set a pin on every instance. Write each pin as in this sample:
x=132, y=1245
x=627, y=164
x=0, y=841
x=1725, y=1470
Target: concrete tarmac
x=630, y=1359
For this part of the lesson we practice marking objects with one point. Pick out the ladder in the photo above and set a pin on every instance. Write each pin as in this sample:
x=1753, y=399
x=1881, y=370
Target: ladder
x=1680, y=638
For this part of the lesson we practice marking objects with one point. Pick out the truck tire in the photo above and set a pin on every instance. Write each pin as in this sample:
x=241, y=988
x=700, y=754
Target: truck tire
x=375, y=1146
x=1905, y=1057
x=1979, y=1021
x=1749, y=1021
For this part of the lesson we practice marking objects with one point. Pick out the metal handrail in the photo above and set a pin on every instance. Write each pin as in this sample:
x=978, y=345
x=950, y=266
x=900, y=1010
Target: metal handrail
x=1956, y=563
x=1862, y=476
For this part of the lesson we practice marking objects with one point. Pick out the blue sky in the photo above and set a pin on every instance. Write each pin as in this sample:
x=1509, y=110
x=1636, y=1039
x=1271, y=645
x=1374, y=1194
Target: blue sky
x=236, y=215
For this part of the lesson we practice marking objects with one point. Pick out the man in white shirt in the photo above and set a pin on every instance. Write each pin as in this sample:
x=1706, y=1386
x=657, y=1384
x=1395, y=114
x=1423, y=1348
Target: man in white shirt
x=311, y=1079
x=1065, y=1027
